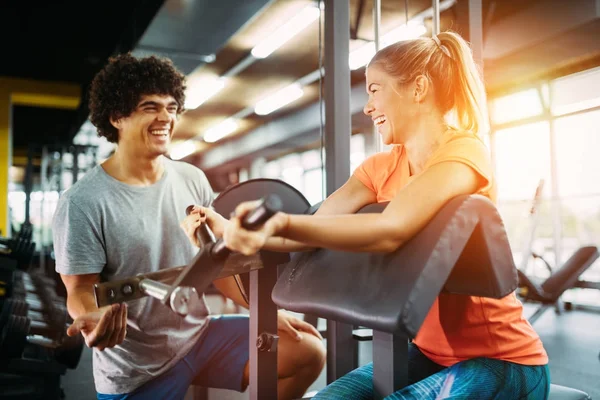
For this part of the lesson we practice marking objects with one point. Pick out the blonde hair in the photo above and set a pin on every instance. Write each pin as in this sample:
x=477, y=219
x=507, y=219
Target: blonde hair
x=448, y=63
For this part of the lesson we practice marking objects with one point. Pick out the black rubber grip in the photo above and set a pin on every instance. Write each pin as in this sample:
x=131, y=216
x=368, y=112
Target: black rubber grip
x=268, y=206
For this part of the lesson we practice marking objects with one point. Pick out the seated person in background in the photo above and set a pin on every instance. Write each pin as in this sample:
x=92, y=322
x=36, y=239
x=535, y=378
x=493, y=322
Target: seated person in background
x=468, y=347
x=122, y=219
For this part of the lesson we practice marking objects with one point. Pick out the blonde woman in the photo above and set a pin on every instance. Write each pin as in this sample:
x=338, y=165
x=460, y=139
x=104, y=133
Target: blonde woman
x=477, y=348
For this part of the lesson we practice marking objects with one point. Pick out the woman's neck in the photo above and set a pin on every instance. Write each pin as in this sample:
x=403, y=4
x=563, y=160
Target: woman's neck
x=133, y=169
x=422, y=142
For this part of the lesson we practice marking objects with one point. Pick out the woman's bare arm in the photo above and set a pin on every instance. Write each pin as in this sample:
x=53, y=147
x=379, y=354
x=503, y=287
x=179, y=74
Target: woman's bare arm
x=348, y=199
x=412, y=208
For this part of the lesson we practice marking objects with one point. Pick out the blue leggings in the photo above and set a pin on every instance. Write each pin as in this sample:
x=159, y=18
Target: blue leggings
x=479, y=379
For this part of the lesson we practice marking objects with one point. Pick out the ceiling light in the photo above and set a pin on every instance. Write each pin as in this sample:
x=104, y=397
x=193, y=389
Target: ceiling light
x=286, y=31
x=182, y=150
x=198, y=92
x=221, y=130
x=361, y=56
x=277, y=100
x=409, y=31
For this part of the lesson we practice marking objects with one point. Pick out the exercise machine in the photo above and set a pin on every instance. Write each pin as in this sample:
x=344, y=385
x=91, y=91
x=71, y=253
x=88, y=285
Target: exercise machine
x=462, y=250
x=549, y=291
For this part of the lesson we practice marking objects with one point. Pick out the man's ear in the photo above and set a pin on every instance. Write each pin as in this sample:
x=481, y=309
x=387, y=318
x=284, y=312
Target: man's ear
x=116, y=122
x=421, y=88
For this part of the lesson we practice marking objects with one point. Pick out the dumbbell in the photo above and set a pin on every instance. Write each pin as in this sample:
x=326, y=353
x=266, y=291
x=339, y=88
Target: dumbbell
x=35, y=290
x=36, y=279
x=52, y=335
x=24, y=234
x=20, y=249
x=48, y=315
x=51, y=325
x=31, y=297
x=34, y=283
x=18, y=328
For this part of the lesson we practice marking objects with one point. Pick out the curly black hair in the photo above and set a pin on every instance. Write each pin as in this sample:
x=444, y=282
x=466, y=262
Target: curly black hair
x=117, y=89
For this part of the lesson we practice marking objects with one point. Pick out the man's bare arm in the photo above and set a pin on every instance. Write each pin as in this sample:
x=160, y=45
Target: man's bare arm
x=80, y=293
x=101, y=327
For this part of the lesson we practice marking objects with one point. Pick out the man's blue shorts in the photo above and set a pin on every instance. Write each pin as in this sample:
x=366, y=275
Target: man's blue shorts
x=216, y=361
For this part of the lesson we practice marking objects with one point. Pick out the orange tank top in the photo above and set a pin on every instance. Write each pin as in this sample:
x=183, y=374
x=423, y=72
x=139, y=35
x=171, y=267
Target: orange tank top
x=460, y=327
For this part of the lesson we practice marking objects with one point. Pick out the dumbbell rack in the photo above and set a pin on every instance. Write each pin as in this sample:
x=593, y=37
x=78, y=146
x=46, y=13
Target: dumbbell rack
x=34, y=349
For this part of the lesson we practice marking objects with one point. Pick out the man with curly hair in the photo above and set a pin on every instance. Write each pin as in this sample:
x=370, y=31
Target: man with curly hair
x=123, y=218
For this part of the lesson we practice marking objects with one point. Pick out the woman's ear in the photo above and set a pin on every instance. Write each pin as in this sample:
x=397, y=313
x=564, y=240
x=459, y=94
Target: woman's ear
x=421, y=88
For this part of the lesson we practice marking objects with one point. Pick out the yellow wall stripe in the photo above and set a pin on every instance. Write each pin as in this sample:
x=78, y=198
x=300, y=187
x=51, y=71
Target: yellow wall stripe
x=61, y=89
x=5, y=158
x=44, y=100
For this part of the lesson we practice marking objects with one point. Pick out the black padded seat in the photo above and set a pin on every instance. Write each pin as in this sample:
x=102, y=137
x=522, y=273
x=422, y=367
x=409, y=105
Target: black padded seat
x=564, y=393
x=548, y=292
x=462, y=250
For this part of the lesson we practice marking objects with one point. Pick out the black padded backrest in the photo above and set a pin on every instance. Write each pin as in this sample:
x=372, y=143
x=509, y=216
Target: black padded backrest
x=486, y=265
x=533, y=291
x=565, y=277
x=393, y=292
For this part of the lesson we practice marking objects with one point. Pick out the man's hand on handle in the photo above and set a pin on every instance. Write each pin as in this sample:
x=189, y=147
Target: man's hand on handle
x=200, y=214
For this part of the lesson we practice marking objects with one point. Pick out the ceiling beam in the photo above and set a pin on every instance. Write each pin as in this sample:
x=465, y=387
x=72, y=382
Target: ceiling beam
x=556, y=57
x=359, y=12
x=540, y=22
x=190, y=33
x=277, y=132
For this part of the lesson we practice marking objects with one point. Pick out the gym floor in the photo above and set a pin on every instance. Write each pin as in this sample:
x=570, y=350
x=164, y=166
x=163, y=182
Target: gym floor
x=572, y=341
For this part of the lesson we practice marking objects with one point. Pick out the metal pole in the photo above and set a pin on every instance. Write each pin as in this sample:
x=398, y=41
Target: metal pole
x=390, y=363
x=337, y=94
x=376, y=25
x=61, y=169
x=555, y=202
x=435, y=4
x=263, y=320
x=75, y=167
x=44, y=182
x=476, y=31
x=152, y=288
x=376, y=22
x=28, y=184
x=340, y=356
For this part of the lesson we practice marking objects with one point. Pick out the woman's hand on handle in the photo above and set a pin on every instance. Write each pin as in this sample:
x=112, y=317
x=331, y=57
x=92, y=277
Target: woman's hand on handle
x=249, y=242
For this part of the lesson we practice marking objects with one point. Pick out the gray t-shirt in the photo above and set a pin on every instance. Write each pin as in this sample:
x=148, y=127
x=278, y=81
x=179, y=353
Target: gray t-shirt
x=104, y=226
